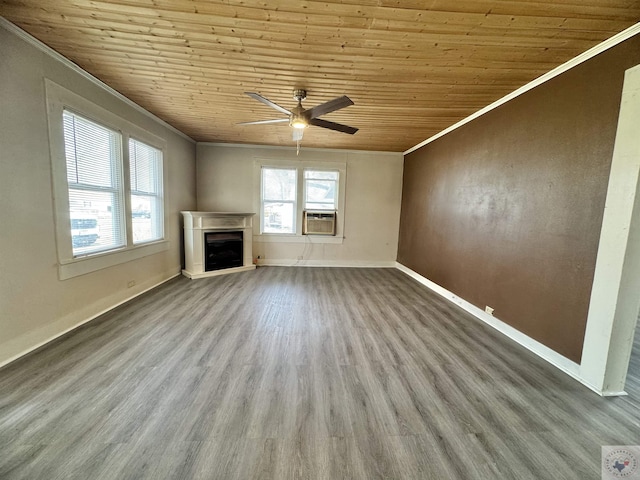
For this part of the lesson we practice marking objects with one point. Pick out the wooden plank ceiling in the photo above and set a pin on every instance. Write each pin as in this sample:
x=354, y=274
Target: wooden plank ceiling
x=412, y=67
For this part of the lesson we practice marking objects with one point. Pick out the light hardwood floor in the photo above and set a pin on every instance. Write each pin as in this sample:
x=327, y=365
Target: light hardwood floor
x=299, y=373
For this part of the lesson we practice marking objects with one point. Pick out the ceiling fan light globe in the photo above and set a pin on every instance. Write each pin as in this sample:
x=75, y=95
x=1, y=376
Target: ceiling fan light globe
x=298, y=123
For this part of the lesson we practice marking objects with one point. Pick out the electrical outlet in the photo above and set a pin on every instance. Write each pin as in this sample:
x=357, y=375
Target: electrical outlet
x=488, y=309
x=131, y=283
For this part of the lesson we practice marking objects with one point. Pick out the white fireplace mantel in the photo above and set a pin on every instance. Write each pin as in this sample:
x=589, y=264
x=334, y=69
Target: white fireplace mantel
x=196, y=224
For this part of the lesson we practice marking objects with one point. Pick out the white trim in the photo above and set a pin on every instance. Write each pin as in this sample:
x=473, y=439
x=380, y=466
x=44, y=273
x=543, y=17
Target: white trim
x=87, y=320
x=614, y=303
x=58, y=99
x=216, y=273
x=583, y=57
x=293, y=149
x=295, y=204
x=7, y=25
x=285, y=262
x=567, y=366
x=84, y=265
x=260, y=162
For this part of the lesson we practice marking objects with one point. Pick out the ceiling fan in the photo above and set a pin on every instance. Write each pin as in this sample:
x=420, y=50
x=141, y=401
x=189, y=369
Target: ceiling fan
x=300, y=118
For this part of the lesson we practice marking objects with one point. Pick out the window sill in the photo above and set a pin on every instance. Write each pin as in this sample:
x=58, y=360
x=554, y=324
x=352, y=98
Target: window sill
x=276, y=238
x=84, y=265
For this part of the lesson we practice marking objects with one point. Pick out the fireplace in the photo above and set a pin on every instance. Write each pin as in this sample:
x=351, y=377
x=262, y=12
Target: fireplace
x=216, y=243
x=222, y=250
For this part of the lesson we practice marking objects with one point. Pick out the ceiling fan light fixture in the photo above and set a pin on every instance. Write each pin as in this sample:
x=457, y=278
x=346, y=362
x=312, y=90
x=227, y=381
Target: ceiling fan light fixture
x=299, y=122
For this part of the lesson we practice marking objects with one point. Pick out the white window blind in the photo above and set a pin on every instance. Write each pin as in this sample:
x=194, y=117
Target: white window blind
x=278, y=212
x=145, y=168
x=94, y=177
x=321, y=189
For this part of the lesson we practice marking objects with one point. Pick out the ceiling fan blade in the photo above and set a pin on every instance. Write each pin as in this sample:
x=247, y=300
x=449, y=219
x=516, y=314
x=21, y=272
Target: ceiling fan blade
x=260, y=98
x=330, y=106
x=333, y=126
x=260, y=122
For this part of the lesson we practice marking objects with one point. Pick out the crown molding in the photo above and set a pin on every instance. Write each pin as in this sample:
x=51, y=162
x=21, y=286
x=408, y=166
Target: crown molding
x=7, y=25
x=583, y=57
x=302, y=148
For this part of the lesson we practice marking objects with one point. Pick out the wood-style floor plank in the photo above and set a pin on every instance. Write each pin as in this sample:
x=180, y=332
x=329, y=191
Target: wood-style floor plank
x=300, y=373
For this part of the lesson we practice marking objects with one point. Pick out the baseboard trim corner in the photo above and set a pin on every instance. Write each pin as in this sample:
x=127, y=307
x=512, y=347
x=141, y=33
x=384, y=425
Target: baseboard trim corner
x=607, y=393
x=561, y=363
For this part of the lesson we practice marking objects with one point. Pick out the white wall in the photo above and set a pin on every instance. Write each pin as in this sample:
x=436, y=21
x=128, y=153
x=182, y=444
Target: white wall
x=227, y=181
x=35, y=305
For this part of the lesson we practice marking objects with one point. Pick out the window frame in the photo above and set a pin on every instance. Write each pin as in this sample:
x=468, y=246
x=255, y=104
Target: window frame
x=117, y=190
x=300, y=166
x=263, y=201
x=336, y=189
x=158, y=196
x=69, y=266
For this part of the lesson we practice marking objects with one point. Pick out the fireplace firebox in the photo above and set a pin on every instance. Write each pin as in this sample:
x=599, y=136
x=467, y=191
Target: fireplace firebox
x=222, y=250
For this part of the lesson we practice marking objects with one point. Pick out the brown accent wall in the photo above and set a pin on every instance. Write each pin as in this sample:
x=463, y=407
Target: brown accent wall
x=506, y=211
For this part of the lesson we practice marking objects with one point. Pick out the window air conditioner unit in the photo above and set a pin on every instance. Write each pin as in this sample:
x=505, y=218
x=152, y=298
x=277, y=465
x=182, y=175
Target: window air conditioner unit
x=319, y=222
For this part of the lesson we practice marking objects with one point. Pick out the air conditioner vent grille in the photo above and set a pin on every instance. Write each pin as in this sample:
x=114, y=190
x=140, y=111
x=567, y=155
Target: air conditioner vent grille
x=319, y=222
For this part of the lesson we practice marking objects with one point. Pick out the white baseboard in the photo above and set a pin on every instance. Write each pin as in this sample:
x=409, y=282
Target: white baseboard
x=285, y=262
x=29, y=343
x=554, y=358
x=216, y=273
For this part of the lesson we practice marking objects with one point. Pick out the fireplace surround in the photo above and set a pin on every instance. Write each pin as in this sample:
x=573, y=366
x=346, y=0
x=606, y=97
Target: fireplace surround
x=217, y=243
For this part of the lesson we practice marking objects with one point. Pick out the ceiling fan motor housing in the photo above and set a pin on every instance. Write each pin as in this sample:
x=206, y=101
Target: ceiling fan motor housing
x=298, y=119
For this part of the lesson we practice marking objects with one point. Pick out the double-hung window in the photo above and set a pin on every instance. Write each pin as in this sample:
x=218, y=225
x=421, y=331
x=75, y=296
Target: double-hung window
x=145, y=171
x=321, y=189
x=93, y=156
x=289, y=188
x=108, y=185
x=279, y=200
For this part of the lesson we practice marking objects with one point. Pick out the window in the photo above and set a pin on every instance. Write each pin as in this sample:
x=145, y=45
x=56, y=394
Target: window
x=287, y=188
x=94, y=175
x=107, y=184
x=320, y=190
x=145, y=165
x=279, y=206
x=94, y=158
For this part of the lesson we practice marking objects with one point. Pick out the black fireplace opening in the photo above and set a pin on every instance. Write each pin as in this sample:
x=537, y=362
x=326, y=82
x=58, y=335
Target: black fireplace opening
x=222, y=250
